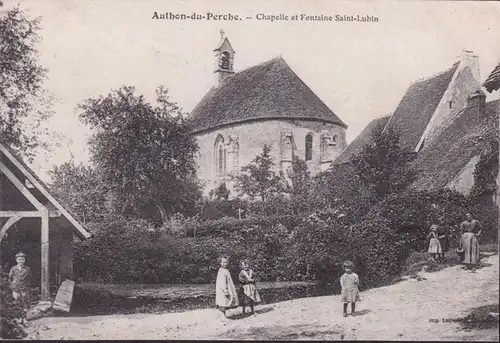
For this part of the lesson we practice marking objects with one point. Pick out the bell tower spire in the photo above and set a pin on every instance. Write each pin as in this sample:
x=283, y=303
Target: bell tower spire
x=224, y=59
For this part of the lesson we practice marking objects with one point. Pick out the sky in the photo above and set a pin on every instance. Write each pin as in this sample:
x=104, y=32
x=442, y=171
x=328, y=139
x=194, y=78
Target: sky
x=359, y=70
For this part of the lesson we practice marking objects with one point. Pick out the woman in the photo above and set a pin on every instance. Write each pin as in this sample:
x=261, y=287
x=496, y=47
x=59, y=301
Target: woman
x=469, y=243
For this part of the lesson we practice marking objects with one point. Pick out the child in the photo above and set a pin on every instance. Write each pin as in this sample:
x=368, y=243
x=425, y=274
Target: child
x=434, y=245
x=20, y=282
x=349, y=282
x=249, y=293
x=225, y=292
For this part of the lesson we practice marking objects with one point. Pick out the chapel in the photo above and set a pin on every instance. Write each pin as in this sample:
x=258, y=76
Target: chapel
x=267, y=104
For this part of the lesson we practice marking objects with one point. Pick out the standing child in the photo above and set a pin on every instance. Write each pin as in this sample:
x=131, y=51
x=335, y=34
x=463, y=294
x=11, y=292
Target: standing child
x=20, y=283
x=434, y=245
x=226, y=296
x=249, y=293
x=350, y=292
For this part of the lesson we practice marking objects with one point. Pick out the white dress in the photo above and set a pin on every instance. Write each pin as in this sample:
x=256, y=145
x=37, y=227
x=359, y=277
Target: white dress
x=224, y=285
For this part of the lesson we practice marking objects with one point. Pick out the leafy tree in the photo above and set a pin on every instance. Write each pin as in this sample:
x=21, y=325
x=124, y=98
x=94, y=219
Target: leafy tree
x=144, y=152
x=24, y=104
x=300, y=185
x=80, y=188
x=383, y=164
x=258, y=179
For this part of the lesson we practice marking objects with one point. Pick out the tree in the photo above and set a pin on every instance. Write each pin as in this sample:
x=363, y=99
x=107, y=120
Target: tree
x=383, y=164
x=258, y=180
x=300, y=185
x=80, y=188
x=24, y=104
x=144, y=152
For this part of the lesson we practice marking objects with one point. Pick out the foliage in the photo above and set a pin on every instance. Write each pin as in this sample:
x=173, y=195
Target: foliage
x=486, y=171
x=80, y=188
x=383, y=164
x=300, y=187
x=24, y=104
x=152, y=147
x=9, y=328
x=258, y=180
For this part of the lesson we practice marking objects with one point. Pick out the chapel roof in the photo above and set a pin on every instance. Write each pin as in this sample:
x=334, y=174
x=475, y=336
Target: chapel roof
x=467, y=136
x=417, y=106
x=364, y=138
x=270, y=90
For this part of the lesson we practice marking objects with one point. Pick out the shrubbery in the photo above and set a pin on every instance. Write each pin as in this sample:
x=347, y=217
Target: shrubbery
x=288, y=247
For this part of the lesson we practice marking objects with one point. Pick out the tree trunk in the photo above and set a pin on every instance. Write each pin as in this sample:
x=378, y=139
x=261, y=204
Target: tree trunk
x=163, y=213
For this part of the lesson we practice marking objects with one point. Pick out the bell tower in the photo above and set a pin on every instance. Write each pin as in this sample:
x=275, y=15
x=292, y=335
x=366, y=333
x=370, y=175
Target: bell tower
x=224, y=59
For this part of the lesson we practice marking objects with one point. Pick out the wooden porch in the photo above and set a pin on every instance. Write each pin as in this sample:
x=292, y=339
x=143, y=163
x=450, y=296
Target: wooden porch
x=33, y=221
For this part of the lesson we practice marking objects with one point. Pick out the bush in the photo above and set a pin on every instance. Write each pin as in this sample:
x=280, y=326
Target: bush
x=9, y=328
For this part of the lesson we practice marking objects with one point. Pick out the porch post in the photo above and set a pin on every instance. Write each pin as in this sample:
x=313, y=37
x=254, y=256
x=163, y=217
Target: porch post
x=45, y=282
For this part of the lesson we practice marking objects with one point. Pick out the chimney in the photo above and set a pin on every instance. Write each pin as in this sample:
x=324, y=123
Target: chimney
x=477, y=99
x=469, y=59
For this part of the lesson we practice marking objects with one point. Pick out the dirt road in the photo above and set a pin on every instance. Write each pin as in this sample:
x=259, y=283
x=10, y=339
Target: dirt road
x=409, y=310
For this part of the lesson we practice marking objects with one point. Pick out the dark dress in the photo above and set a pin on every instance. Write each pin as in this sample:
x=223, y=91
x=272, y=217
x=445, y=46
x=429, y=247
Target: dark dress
x=445, y=242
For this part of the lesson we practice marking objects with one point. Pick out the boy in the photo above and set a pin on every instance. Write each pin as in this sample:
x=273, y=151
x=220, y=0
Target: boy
x=20, y=282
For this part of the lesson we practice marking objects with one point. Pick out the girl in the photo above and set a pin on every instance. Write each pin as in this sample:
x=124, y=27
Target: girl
x=225, y=292
x=350, y=292
x=434, y=245
x=249, y=293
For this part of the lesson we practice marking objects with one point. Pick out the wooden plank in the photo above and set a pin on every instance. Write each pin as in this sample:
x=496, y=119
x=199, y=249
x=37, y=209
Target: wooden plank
x=28, y=214
x=64, y=296
x=22, y=188
x=11, y=221
x=45, y=259
x=82, y=233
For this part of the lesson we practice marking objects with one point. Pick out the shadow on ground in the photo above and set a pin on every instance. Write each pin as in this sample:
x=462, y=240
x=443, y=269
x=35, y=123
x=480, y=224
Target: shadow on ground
x=479, y=318
x=248, y=314
x=292, y=332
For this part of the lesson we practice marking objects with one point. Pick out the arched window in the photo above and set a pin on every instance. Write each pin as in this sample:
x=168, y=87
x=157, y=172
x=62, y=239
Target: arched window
x=309, y=147
x=225, y=60
x=220, y=156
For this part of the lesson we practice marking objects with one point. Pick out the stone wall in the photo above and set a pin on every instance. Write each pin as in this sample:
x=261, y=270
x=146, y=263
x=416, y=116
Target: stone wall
x=245, y=141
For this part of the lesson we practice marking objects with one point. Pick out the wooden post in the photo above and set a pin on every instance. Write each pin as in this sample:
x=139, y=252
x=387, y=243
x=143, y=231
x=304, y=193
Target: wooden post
x=66, y=257
x=45, y=258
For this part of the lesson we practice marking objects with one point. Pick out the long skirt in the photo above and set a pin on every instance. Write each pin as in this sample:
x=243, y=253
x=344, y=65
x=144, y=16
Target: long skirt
x=434, y=246
x=471, y=248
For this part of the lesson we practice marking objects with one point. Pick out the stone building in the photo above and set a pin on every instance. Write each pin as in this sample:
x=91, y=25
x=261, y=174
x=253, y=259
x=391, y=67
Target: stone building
x=267, y=104
x=446, y=121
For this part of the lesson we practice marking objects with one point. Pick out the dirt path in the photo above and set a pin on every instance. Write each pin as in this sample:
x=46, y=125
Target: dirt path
x=409, y=310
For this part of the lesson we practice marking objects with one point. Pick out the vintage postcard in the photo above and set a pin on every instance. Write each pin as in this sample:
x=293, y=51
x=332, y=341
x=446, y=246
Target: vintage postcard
x=261, y=170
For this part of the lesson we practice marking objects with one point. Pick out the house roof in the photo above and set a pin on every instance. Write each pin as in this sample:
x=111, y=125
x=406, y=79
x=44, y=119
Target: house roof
x=364, y=138
x=417, y=107
x=270, y=90
x=493, y=81
x=467, y=136
x=44, y=190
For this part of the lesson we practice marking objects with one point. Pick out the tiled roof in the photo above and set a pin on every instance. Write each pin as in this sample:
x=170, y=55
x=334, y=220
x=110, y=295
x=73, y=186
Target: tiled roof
x=493, y=81
x=42, y=187
x=270, y=90
x=364, y=138
x=467, y=136
x=417, y=107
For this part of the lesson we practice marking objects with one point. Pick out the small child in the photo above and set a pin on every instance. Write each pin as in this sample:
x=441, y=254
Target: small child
x=350, y=292
x=435, y=249
x=226, y=296
x=20, y=283
x=249, y=293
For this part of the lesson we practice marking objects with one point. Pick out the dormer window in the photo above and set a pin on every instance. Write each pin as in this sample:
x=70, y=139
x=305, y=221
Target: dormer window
x=225, y=60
